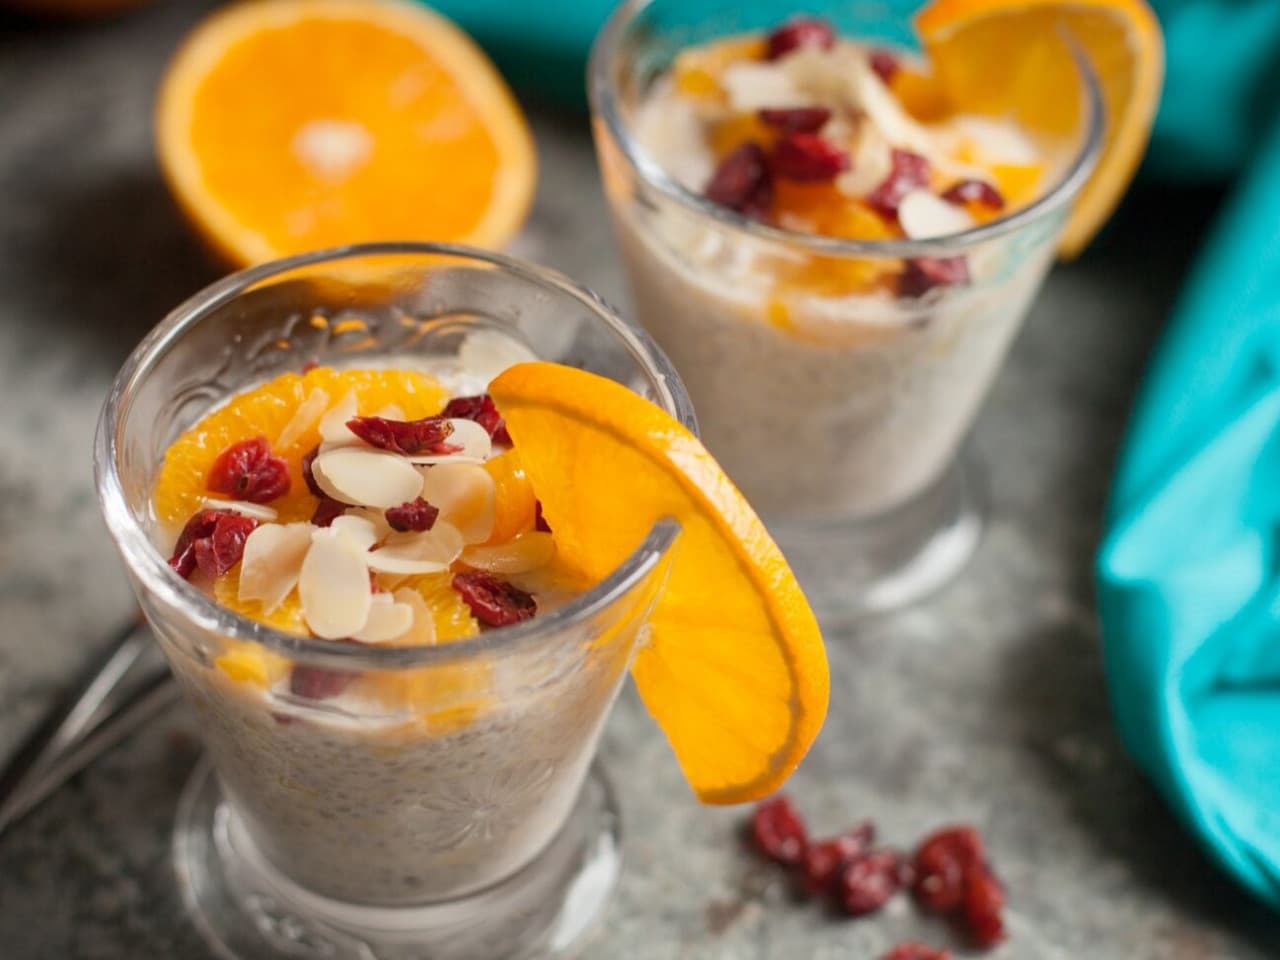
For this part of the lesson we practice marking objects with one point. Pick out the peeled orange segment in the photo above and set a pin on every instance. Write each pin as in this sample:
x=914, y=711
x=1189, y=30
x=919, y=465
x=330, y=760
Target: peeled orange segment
x=734, y=672
x=1008, y=56
x=267, y=410
x=290, y=125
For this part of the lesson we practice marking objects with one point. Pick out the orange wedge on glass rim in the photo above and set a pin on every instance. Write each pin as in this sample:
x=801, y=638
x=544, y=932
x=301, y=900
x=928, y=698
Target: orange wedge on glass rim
x=291, y=125
x=733, y=670
x=1009, y=56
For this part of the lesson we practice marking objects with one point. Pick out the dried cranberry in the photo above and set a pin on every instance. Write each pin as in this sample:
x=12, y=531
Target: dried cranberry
x=539, y=521
x=808, y=157
x=798, y=33
x=199, y=527
x=908, y=171
x=495, y=602
x=921, y=274
x=796, y=119
x=823, y=861
x=212, y=541
x=885, y=64
x=406, y=437
x=247, y=471
x=778, y=831
x=315, y=683
x=480, y=409
x=327, y=511
x=916, y=951
x=308, y=366
x=742, y=182
x=941, y=862
x=416, y=515
x=869, y=881
x=307, y=476
x=974, y=191
x=983, y=903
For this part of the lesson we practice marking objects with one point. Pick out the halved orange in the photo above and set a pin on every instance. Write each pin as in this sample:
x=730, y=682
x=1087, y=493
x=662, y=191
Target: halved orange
x=290, y=125
x=1008, y=56
x=734, y=670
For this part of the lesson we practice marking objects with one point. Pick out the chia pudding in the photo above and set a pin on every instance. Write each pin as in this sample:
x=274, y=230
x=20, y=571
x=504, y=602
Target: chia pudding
x=832, y=377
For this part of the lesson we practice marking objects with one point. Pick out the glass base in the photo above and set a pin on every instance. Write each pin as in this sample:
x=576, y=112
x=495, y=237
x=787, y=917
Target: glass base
x=854, y=568
x=247, y=910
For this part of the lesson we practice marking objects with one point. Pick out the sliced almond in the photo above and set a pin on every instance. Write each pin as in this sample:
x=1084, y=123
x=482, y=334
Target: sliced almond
x=418, y=553
x=871, y=162
x=334, y=431
x=465, y=495
x=486, y=353
x=364, y=477
x=423, y=631
x=363, y=533
x=869, y=93
x=522, y=553
x=376, y=517
x=273, y=555
x=476, y=444
x=334, y=586
x=304, y=418
x=257, y=511
x=387, y=620
x=924, y=215
x=754, y=86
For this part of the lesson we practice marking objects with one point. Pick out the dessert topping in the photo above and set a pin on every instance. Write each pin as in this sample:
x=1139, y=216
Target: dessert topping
x=808, y=157
x=494, y=602
x=212, y=541
x=742, y=182
x=416, y=515
x=248, y=471
x=481, y=409
x=798, y=33
x=427, y=435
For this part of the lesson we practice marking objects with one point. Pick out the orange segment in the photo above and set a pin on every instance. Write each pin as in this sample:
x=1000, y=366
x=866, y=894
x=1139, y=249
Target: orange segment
x=289, y=125
x=515, y=506
x=734, y=672
x=1007, y=56
x=266, y=410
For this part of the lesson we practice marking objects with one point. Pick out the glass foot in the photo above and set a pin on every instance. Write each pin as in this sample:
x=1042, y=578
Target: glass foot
x=246, y=910
x=855, y=568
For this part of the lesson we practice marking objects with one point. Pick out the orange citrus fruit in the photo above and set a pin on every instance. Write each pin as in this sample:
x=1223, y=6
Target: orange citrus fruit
x=289, y=125
x=734, y=670
x=1009, y=56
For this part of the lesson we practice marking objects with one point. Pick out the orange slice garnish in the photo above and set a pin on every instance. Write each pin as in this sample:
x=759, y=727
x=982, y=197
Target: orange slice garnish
x=734, y=671
x=1008, y=57
x=289, y=125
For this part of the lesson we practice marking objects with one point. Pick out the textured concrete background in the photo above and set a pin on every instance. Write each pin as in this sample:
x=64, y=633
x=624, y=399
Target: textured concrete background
x=985, y=704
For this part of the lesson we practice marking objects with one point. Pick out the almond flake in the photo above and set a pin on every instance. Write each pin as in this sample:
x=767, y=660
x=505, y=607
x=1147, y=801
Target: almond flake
x=423, y=631
x=885, y=111
x=476, y=444
x=334, y=586
x=923, y=215
x=417, y=553
x=486, y=353
x=273, y=555
x=333, y=425
x=376, y=517
x=304, y=418
x=387, y=620
x=754, y=86
x=524, y=552
x=364, y=477
x=257, y=511
x=465, y=495
x=360, y=531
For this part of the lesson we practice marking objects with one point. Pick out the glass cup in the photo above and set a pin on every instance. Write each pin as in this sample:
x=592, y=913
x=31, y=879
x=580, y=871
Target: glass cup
x=839, y=414
x=450, y=809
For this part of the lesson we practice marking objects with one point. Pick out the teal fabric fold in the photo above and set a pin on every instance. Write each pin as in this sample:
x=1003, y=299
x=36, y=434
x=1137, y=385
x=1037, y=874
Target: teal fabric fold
x=1189, y=591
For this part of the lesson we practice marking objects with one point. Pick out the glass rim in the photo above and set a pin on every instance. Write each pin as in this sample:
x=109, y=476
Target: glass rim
x=603, y=95
x=155, y=575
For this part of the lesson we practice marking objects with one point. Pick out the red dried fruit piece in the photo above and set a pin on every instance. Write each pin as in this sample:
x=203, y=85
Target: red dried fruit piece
x=921, y=274
x=974, y=191
x=316, y=683
x=198, y=527
x=796, y=119
x=941, y=862
x=909, y=171
x=916, y=951
x=798, y=33
x=212, y=541
x=808, y=157
x=416, y=515
x=869, y=881
x=307, y=476
x=885, y=64
x=742, y=182
x=823, y=860
x=480, y=408
x=539, y=521
x=778, y=831
x=493, y=601
x=248, y=471
x=983, y=903
x=327, y=511
x=407, y=437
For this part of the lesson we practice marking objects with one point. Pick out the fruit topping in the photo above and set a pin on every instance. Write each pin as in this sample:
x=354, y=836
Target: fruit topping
x=921, y=274
x=974, y=191
x=248, y=471
x=916, y=951
x=212, y=541
x=799, y=33
x=495, y=602
x=416, y=515
x=908, y=171
x=315, y=683
x=885, y=64
x=427, y=435
x=796, y=119
x=327, y=510
x=807, y=157
x=481, y=409
x=742, y=182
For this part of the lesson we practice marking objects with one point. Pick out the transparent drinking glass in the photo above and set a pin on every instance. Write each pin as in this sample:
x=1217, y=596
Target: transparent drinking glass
x=449, y=808
x=841, y=416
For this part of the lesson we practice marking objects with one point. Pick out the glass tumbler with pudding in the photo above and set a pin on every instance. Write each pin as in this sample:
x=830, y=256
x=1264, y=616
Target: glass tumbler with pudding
x=400, y=565
x=836, y=257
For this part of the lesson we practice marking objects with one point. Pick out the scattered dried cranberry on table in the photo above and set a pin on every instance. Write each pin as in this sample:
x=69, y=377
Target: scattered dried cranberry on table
x=778, y=832
x=916, y=951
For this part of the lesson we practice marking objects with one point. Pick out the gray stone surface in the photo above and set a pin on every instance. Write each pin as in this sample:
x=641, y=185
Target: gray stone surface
x=985, y=704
